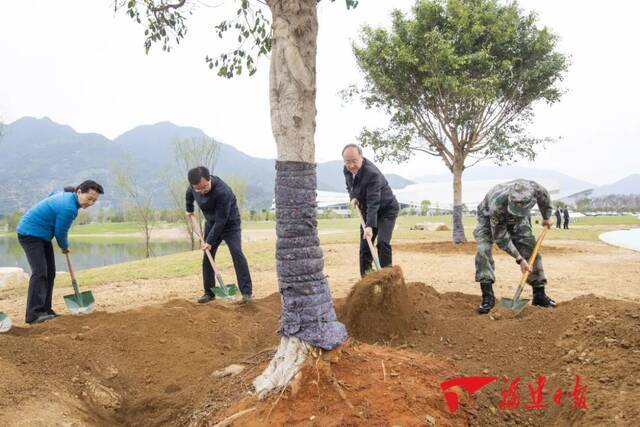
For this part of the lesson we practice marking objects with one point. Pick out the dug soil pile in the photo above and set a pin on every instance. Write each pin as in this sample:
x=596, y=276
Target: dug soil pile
x=156, y=365
x=379, y=307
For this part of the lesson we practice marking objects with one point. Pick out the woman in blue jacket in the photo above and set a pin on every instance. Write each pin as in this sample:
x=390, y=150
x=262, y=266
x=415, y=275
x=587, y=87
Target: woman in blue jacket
x=49, y=218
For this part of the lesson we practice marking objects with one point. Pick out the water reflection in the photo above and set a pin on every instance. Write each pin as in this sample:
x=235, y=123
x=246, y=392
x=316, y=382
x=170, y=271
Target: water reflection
x=89, y=255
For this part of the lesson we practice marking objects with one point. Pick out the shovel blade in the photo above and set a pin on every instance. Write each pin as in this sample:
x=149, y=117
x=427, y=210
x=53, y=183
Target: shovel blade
x=515, y=305
x=82, y=304
x=5, y=322
x=226, y=291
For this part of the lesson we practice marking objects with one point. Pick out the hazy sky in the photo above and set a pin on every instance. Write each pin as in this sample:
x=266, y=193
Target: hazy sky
x=80, y=64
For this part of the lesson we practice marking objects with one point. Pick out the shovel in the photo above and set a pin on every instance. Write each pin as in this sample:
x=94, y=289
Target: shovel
x=516, y=304
x=78, y=302
x=222, y=290
x=372, y=248
x=5, y=322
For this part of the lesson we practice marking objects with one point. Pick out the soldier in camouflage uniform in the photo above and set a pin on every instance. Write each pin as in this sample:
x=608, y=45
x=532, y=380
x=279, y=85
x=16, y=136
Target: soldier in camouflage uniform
x=504, y=218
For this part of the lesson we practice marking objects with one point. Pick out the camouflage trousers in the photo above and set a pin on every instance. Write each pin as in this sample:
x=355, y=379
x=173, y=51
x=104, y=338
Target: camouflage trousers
x=523, y=239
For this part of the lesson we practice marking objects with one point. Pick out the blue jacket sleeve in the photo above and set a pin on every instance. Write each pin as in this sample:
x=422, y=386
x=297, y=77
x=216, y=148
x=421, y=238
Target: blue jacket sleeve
x=64, y=219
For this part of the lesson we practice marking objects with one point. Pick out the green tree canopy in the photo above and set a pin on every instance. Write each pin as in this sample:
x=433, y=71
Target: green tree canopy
x=459, y=80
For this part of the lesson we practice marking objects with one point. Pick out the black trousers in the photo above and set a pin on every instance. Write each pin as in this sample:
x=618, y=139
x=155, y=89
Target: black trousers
x=386, y=223
x=558, y=222
x=233, y=239
x=43, y=273
x=566, y=223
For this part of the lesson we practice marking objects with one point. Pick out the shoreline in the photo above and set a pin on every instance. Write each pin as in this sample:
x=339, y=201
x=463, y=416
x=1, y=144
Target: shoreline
x=626, y=239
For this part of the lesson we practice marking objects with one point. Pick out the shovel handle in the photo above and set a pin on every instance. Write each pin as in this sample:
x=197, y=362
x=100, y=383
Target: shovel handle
x=532, y=258
x=372, y=248
x=74, y=283
x=208, y=252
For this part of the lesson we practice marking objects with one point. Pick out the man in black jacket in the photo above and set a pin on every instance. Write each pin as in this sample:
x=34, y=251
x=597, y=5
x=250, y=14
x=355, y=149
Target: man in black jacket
x=565, y=214
x=218, y=204
x=369, y=190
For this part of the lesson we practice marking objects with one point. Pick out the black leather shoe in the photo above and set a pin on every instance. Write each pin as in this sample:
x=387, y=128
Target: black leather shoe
x=206, y=298
x=42, y=318
x=488, y=299
x=541, y=299
x=53, y=313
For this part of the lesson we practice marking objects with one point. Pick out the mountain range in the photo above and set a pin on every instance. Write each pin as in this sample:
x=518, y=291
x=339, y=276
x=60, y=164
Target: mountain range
x=39, y=155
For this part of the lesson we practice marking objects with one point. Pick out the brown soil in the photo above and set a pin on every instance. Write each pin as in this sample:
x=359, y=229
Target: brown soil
x=149, y=366
x=360, y=384
x=446, y=248
x=153, y=366
x=379, y=306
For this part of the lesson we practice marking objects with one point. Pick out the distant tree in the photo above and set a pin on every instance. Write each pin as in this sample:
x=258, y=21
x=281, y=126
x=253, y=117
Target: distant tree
x=140, y=204
x=583, y=204
x=239, y=187
x=459, y=80
x=83, y=218
x=189, y=153
x=102, y=215
x=558, y=203
x=13, y=219
x=424, y=207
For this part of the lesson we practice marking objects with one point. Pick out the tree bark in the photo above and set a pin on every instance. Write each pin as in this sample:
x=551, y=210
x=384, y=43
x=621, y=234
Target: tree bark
x=308, y=317
x=458, y=227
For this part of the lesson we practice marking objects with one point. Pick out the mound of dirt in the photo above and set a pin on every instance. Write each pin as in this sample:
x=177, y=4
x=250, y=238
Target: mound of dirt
x=378, y=307
x=597, y=339
x=469, y=248
x=359, y=384
x=430, y=226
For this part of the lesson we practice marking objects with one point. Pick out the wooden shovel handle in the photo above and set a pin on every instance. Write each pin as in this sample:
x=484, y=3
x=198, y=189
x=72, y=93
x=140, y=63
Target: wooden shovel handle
x=534, y=254
x=207, y=251
x=69, y=267
x=372, y=248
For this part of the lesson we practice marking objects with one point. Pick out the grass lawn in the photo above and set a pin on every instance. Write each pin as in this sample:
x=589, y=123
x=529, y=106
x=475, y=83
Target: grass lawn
x=262, y=253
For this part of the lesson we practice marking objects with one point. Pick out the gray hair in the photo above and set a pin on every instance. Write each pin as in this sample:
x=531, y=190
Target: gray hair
x=356, y=146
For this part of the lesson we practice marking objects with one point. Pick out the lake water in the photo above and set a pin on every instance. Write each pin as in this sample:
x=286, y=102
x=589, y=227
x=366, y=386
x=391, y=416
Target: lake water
x=629, y=239
x=88, y=255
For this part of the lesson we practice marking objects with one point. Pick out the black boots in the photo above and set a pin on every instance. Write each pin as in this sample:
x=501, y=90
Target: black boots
x=206, y=298
x=541, y=299
x=488, y=299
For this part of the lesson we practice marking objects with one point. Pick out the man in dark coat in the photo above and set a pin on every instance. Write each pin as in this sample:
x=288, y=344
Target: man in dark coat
x=370, y=192
x=565, y=213
x=218, y=205
x=558, y=217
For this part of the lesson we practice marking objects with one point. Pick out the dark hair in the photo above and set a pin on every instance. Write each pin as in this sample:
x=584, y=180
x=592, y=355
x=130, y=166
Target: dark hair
x=85, y=187
x=197, y=173
x=357, y=147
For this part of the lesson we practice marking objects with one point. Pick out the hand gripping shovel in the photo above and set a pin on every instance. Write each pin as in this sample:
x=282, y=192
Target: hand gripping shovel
x=5, y=322
x=374, y=251
x=516, y=304
x=222, y=290
x=78, y=302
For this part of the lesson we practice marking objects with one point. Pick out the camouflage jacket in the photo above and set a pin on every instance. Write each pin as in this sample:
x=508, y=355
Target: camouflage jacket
x=494, y=207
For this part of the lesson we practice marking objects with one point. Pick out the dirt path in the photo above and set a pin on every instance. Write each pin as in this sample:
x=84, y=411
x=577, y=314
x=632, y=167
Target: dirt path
x=573, y=268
